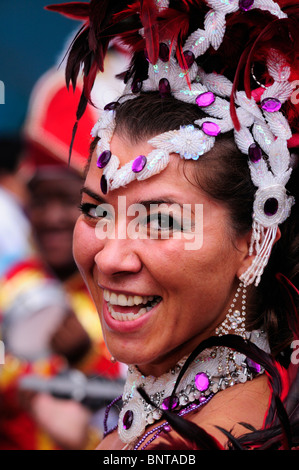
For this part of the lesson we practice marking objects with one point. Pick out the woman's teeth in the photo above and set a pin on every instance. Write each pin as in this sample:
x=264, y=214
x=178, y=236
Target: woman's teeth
x=113, y=300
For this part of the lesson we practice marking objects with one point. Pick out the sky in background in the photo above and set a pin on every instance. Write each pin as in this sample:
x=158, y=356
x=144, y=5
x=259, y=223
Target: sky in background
x=31, y=41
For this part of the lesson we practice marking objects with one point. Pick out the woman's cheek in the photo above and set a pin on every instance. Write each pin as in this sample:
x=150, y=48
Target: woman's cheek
x=84, y=245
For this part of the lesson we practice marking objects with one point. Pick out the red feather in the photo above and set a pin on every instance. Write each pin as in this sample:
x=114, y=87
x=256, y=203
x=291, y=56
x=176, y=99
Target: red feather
x=174, y=23
x=148, y=16
x=174, y=26
x=130, y=35
x=73, y=10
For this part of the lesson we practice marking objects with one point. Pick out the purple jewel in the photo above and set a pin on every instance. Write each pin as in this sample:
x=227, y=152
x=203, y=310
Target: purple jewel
x=245, y=5
x=170, y=403
x=136, y=86
x=202, y=382
x=210, y=128
x=166, y=428
x=164, y=52
x=104, y=159
x=271, y=206
x=111, y=106
x=164, y=87
x=205, y=99
x=255, y=153
x=189, y=58
x=139, y=163
x=104, y=185
x=271, y=105
x=128, y=419
x=253, y=365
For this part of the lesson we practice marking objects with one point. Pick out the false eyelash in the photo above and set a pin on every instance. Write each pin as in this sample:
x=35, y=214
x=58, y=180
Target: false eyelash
x=84, y=208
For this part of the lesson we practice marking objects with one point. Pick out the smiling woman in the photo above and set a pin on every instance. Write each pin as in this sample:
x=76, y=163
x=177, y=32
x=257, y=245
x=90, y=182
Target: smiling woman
x=133, y=267
x=205, y=328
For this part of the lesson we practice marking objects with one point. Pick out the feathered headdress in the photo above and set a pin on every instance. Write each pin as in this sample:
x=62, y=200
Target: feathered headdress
x=236, y=60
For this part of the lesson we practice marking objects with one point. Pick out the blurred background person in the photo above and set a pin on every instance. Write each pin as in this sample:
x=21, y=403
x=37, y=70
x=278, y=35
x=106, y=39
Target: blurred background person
x=16, y=240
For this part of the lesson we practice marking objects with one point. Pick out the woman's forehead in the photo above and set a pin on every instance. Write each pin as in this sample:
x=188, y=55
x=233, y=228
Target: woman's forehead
x=173, y=183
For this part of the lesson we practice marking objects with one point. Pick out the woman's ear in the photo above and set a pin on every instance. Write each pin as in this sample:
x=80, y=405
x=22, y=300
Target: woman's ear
x=246, y=257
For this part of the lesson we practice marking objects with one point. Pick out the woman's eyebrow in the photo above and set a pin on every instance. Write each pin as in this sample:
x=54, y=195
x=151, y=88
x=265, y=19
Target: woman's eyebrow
x=89, y=192
x=162, y=200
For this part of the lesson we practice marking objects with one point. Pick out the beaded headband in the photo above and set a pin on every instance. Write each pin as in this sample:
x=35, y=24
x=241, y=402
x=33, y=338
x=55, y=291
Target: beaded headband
x=261, y=130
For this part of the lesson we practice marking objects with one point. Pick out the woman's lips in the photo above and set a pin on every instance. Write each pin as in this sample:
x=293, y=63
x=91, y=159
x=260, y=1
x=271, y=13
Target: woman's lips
x=126, y=307
x=121, y=313
x=126, y=318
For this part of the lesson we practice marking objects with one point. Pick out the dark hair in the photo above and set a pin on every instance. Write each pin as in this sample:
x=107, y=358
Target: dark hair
x=11, y=147
x=223, y=173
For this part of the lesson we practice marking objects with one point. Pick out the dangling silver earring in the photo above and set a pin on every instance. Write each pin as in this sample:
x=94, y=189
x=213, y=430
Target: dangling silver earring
x=234, y=322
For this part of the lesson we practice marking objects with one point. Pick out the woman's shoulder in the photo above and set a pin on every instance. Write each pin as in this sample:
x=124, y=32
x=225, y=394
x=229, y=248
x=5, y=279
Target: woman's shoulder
x=242, y=403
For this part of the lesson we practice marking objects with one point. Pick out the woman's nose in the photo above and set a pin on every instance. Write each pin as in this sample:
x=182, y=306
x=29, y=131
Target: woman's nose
x=118, y=256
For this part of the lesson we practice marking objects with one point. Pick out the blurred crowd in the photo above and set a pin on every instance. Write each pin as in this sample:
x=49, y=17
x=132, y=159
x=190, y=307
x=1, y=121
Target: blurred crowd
x=57, y=376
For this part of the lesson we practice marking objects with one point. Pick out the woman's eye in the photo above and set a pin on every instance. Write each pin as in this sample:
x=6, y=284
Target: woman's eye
x=89, y=210
x=161, y=222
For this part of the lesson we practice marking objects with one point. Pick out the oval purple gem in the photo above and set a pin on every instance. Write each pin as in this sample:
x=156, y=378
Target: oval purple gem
x=139, y=163
x=205, y=99
x=271, y=105
x=128, y=419
x=210, y=128
x=164, y=87
x=271, y=206
x=170, y=403
x=202, y=382
x=104, y=159
x=104, y=185
x=189, y=58
x=254, y=366
x=245, y=5
x=164, y=52
x=255, y=153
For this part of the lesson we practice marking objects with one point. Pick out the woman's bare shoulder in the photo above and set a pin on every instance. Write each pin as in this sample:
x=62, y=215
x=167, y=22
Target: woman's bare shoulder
x=242, y=403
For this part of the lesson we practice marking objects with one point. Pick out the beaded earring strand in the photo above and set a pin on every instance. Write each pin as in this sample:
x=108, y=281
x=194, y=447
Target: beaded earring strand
x=234, y=321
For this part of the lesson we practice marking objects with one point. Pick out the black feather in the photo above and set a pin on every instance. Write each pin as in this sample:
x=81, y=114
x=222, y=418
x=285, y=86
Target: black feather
x=234, y=443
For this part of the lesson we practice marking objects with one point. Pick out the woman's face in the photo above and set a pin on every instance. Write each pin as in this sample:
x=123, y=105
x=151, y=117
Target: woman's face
x=53, y=213
x=156, y=298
